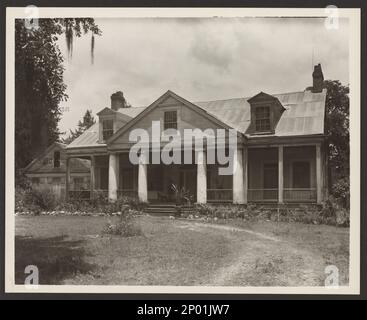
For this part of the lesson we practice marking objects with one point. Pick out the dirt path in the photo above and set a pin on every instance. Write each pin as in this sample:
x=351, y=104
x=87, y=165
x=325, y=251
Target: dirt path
x=259, y=259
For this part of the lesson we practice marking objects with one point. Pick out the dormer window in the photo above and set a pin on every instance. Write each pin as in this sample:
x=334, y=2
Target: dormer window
x=266, y=111
x=262, y=119
x=107, y=129
x=170, y=120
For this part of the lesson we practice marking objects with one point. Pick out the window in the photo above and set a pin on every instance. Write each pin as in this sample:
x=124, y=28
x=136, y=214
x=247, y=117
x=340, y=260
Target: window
x=78, y=183
x=57, y=159
x=170, y=120
x=35, y=180
x=107, y=129
x=301, y=175
x=262, y=119
x=56, y=180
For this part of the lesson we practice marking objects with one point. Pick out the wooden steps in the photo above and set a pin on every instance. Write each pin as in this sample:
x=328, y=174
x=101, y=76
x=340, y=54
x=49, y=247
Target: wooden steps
x=165, y=209
x=161, y=209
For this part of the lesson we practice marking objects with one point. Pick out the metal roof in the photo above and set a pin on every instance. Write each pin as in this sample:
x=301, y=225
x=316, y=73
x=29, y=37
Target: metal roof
x=303, y=115
x=88, y=138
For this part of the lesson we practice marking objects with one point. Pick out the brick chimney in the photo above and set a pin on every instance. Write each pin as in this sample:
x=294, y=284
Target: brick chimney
x=118, y=101
x=317, y=79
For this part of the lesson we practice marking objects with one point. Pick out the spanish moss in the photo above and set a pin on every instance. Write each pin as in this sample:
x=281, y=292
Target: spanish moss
x=92, y=49
x=69, y=40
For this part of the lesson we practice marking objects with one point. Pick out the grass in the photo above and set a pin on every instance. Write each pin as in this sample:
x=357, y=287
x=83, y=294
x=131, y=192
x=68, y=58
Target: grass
x=73, y=250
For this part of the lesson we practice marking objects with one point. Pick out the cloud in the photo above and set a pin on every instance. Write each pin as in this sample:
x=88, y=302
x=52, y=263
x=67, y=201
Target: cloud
x=200, y=59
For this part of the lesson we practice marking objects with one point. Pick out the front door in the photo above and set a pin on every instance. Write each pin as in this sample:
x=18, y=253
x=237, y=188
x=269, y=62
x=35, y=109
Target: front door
x=188, y=181
x=270, y=181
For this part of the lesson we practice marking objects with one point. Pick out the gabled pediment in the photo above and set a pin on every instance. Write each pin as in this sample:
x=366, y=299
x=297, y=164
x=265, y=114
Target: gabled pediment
x=44, y=159
x=190, y=116
x=106, y=112
x=261, y=97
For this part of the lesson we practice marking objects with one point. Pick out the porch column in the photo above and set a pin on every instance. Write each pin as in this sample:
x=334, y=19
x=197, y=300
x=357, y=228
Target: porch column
x=245, y=174
x=318, y=174
x=238, y=187
x=143, y=179
x=201, y=177
x=67, y=178
x=92, y=175
x=280, y=175
x=113, y=173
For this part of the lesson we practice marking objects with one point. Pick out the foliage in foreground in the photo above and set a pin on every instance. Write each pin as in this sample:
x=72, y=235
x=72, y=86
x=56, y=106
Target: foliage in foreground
x=125, y=227
x=36, y=200
x=330, y=213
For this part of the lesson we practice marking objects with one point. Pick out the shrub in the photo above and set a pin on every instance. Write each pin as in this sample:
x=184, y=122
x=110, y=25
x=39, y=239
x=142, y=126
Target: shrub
x=133, y=203
x=341, y=191
x=125, y=227
x=206, y=210
x=230, y=211
x=21, y=204
x=334, y=212
x=42, y=198
x=21, y=181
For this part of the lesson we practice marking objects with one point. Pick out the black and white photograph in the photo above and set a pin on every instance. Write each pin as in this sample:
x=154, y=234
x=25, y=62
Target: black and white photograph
x=182, y=150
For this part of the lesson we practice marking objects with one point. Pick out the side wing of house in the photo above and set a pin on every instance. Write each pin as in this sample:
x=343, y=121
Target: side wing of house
x=49, y=170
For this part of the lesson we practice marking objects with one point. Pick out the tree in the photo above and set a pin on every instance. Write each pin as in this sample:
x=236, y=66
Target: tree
x=337, y=128
x=39, y=85
x=88, y=121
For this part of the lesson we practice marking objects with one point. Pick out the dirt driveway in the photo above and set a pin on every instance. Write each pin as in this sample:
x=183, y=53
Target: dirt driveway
x=72, y=250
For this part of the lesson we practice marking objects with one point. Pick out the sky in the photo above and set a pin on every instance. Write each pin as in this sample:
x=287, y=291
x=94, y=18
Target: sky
x=200, y=59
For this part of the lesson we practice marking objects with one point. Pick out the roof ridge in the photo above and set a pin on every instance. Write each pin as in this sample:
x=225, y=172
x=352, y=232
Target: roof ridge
x=219, y=100
x=246, y=98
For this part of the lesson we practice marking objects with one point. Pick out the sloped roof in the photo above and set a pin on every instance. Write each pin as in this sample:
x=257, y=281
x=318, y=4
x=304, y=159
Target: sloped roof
x=303, y=115
x=88, y=138
x=36, y=165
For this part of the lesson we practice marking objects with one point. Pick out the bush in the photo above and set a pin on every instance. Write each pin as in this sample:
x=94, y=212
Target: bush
x=21, y=204
x=125, y=227
x=334, y=212
x=331, y=213
x=229, y=211
x=341, y=191
x=41, y=198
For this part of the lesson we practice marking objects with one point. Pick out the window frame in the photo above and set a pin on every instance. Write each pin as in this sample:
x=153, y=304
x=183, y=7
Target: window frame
x=168, y=124
x=109, y=130
x=263, y=117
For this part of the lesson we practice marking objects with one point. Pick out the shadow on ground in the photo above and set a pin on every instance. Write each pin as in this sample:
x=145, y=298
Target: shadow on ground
x=57, y=258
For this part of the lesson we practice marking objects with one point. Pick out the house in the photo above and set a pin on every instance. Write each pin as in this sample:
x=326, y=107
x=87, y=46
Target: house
x=280, y=155
x=48, y=170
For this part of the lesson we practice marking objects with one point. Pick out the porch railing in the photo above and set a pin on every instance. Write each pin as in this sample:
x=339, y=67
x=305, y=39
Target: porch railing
x=79, y=194
x=300, y=194
x=127, y=193
x=262, y=195
x=219, y=195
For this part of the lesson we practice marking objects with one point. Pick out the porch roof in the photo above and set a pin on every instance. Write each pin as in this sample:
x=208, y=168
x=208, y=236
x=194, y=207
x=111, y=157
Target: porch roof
x=303, y=116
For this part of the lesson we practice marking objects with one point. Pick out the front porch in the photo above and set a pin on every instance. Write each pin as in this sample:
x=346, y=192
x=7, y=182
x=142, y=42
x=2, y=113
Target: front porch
x=279, y=174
